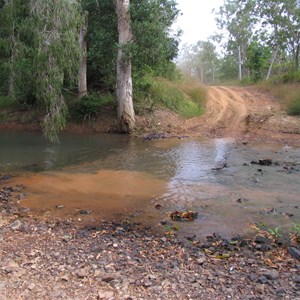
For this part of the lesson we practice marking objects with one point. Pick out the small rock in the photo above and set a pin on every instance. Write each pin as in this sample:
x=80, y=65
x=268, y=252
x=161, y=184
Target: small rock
x=105, y=295
x=82, y=273
x=59, y=206
x=262, y=280
x=253, y=277
x=55, y=294
x=158, y=206
x=15, y=225
x=297, y=279
x=294, y=252
x=147, y=283
x=84, y=212
x=265, y=162
x=107, y=279
x=31, y=286
x=201, y=260
x=64, y=278
x=271, y=275
x=11, y=267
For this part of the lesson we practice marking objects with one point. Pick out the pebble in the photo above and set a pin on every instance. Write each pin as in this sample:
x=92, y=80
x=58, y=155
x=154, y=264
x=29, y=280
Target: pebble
x=294, y=252
x=82, y=273
x=15, y=225
x=262, y=280
x=271, y=275
x=105, y=295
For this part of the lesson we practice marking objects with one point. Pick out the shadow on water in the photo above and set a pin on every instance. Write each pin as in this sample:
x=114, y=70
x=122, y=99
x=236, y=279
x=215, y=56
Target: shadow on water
x=112, y=176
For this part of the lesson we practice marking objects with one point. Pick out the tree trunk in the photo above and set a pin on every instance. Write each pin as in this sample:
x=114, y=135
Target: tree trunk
x=296, y=63
x=82, y=81
x=240, y=63
x=274, y=54
x=126, y=119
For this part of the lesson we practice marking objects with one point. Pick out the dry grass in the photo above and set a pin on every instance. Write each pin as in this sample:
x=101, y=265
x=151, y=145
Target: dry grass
x=287, y=94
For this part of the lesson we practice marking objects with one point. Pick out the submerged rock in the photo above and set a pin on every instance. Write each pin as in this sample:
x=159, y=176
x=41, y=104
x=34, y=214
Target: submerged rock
x=183, y=216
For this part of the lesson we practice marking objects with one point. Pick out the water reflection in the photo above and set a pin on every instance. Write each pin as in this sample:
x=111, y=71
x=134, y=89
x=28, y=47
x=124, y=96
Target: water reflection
x=180, y=174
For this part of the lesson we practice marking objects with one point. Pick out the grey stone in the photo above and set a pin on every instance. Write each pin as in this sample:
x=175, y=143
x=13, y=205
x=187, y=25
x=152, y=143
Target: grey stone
x=262, y=280
x=271, y=275
x=15, y=225
x=294, y=252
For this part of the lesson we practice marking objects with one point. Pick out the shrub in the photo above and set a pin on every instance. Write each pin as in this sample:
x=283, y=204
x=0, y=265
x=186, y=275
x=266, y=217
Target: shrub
x=88, y=106
x=185, y=97
x=294, y=107
x=6, y=101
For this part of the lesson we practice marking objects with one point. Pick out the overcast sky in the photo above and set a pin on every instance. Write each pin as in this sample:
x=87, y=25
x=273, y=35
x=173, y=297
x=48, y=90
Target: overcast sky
x=197, y=20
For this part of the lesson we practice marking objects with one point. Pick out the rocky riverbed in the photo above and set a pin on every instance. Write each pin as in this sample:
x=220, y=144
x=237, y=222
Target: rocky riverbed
x=61, y=259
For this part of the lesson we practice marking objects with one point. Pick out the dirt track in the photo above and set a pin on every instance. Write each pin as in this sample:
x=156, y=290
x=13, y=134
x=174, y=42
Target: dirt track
x=243, y=113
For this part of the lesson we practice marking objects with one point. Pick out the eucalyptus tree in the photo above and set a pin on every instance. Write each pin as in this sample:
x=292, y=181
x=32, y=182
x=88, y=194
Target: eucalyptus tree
x=153, y=45
x=237, y=19
x=282, y=22
x=126, y=119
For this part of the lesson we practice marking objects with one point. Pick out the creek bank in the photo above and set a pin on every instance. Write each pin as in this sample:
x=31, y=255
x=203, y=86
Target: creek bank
x=61, y=259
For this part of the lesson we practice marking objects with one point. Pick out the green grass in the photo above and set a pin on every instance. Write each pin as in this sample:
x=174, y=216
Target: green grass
x=186, y=97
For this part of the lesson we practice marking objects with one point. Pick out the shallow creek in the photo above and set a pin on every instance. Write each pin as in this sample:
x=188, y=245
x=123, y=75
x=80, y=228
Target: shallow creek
x=111, y=176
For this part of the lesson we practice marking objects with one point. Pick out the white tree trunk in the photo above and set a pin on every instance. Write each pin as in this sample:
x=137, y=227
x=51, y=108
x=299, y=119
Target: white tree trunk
x=126, y=119
x=240, y=63
x=274, y=54
x=82, y=81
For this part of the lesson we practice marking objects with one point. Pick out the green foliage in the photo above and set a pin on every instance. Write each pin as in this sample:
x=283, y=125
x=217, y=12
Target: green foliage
x=57, y=58
x=291, y=77
x=153, y=47
x=6, y=101
x=294, y=107
x=258, y=57
x=275, y=232
x=175, y=95
x=88, y=106
x=39, y=55
x=296, y=228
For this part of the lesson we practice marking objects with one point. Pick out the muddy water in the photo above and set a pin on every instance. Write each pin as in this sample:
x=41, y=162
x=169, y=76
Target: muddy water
x=116, y=176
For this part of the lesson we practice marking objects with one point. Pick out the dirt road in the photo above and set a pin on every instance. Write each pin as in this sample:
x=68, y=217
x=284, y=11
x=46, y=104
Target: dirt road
x=244, y=113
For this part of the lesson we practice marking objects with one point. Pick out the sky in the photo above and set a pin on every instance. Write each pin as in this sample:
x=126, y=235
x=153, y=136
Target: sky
x=197, y=20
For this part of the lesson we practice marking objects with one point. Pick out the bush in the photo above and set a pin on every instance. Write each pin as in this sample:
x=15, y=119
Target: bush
x=291, y=77
x=6, y=101
x=180, y=96
x=88, y=106
x=293, y=108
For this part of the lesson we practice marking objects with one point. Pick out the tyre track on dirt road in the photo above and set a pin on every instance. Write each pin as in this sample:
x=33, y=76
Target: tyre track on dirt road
x=226, y=109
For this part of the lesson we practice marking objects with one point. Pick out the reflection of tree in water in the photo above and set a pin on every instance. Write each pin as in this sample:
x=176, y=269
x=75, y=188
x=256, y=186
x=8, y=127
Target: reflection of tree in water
x=51, y=156
x=194, y=162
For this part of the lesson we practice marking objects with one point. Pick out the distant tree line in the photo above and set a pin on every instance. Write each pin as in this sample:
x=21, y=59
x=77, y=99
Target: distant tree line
x=256, y=39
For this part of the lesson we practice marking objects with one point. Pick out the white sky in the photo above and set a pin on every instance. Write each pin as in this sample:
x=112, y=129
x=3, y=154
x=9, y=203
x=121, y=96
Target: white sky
x=197, y=21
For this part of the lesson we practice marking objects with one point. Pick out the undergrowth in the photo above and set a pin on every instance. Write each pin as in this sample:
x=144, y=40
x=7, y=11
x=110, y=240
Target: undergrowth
x=88, y=106
x=186, y=97
x=286, y=89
